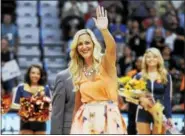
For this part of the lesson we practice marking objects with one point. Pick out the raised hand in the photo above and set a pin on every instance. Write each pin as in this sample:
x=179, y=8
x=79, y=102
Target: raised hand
x=101, y=20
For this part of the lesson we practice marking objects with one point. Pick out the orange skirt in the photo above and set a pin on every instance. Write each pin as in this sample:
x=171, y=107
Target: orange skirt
x=98, y=118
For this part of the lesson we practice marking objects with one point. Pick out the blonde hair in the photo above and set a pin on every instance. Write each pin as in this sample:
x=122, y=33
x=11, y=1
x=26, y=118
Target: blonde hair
x=160, y=67
x=77, y=63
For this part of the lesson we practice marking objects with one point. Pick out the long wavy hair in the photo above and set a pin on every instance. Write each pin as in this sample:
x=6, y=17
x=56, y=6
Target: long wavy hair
x=77, y=62
x=160, y=66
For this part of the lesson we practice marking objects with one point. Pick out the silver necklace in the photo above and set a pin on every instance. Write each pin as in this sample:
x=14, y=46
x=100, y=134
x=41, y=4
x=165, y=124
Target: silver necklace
x=88, y=72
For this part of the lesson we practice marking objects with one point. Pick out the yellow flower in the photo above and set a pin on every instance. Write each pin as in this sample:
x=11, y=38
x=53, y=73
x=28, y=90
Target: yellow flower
x=127, y=87
x=124, y=79
x=138, y=84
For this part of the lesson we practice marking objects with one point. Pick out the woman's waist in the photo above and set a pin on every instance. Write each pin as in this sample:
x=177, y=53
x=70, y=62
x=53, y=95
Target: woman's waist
x=95, y=97
x=103, y=102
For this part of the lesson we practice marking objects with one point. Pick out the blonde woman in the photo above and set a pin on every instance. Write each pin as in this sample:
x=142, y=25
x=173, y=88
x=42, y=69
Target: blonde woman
x=159, y=83
x=95, y=82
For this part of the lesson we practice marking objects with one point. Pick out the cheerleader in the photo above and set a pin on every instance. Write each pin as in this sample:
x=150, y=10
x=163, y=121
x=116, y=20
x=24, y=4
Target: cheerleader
x=159, y=84
x=34, y=83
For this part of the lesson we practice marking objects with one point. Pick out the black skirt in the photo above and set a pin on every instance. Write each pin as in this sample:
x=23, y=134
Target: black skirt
x=34, y=126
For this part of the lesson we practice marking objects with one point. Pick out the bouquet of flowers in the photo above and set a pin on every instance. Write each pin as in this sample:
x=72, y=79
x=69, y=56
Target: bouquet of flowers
x=6, y=101
x=35, y=108
x=133, y=89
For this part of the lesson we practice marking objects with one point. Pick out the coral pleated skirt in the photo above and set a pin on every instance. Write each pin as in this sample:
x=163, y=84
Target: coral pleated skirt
x=98, y=118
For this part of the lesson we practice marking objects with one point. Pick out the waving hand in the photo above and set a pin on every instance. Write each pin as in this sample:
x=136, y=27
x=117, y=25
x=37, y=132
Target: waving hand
x=101, y=20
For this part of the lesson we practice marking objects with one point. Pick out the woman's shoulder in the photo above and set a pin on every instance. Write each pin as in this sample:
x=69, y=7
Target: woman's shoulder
x=21, y=86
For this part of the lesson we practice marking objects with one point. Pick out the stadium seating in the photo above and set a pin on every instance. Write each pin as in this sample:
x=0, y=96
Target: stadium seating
x=26, y=4
x=29, y=35
x=26, y=11
x=48, y=22
x=27, y=22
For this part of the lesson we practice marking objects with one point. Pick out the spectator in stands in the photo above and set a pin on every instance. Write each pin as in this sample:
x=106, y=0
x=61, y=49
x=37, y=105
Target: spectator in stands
x=179, y=40
x=169, y=61
x=62, y=104
x=158, y=39
x=71, y=24
x=112, y=4
x=113, y=10
x=6, y=56
x=137, y=41
x=139, y=9
x=72, y=18
x=129, y=29
x=10, y=30
x=91, y=10
x=166, y=19
x=152, y=12
x=156, y=23
x=126, y=61
x=181, y=14
x=170, y=11
x=72, y=8
x=154, y=72
x=170, y=38
x=118, y=29
x=34, y=83
x=148, y=21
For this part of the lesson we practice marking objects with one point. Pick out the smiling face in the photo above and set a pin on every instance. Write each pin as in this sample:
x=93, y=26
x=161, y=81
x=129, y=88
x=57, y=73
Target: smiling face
x=35, y=75
x=85, y=46
x=151, y=59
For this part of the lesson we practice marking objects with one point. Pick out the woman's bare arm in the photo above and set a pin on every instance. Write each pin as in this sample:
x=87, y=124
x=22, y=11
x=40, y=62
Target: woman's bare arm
x=78, y=103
